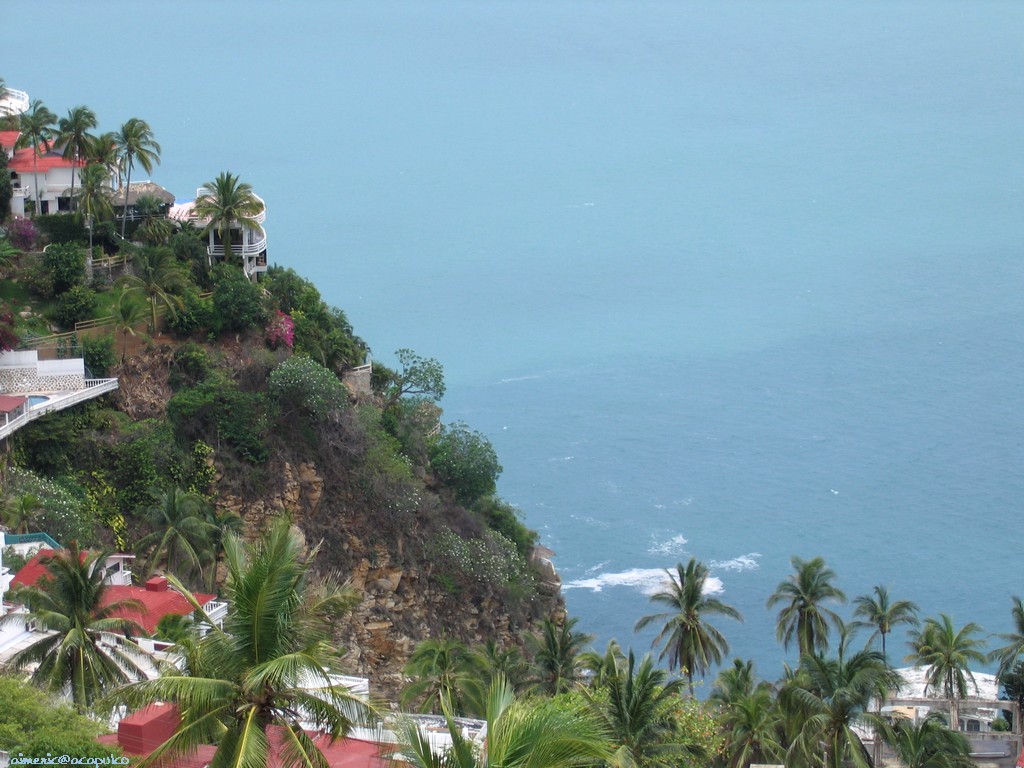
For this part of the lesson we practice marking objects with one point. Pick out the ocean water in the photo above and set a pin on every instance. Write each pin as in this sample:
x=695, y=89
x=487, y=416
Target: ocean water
x=727, y=280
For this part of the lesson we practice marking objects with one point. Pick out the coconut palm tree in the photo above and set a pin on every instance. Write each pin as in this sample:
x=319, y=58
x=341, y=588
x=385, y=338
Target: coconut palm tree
x=228, y=202
x=442, y=671
x=154, y=226
x=36, y=131
x=752, y=731
x=19, y=512
x=70, y=606
x=555, y=654
x=135, y=143
x=103, y=151
x=271, y=664
x=520, y=734
x=832, y=696
x=180, y=537
x=490, y=660
x=93, y=197
x=927, y=744
x=600, y=668
x=882, y=614
x=804, y=615
x=948, y=652
x=636, y=707
x=157, y=275
x=691, y=642
x=1008, y=654
x=73, y=134
x=127, y=314
x=224, y=522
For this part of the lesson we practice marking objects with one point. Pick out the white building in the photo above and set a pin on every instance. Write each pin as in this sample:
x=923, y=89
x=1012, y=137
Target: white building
x=249, y=245
x=14, y=102
x=47, y=172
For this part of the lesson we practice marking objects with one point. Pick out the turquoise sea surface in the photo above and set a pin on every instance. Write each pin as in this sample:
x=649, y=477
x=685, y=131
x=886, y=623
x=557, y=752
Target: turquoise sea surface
x=723, y=279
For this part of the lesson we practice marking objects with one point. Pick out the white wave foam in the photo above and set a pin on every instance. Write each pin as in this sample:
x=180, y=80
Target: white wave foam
x=521, y=378
x=673, y=546
x=645, y=580
x=747, y=562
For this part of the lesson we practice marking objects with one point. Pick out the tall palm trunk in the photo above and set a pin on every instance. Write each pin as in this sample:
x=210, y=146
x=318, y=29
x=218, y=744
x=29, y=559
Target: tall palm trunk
x=124, y=211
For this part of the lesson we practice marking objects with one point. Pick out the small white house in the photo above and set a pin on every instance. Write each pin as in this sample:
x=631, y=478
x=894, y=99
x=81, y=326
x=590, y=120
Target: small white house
x=45, y=173
x=250, y=245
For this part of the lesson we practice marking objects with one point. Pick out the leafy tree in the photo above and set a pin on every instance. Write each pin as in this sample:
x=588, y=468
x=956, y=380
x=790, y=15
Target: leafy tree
x=237, y=303
x=442, y=672
x=504, y=518
x=73, y=134
x=36, y=131
x=1012, y=681
x=881, y=614
x=803, y=595
x=227, y=201
x=947, y=653
x=520, y=734
x=637, y=712
x=555, y=652
x=833, y=700
x=134, y=142
x=271, y=664
x=77, y=653
x=181, y=534
x=157, y=277
x=691, y=643
x=300, y=384
x=1008, y=654
x=466, y=462
x=75, y=304
x=927, y=744
x=418, y=376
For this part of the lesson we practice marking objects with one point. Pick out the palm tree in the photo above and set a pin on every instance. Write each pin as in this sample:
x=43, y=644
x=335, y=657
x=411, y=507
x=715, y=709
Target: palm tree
x=154, y=227
x=36, y=131
x=948, y=652
x=135, y=142
x=491, y=660
x=94, y=197
x=928, y=744
x=601, y=668
x=227, y=202
x=103, y=151
x=271, y=664
x=127, y=314
x=637, y=711
x=520, y=734
x=442, y=672
x=19, y=512
x=78, y=653
x=691, y=643
x=881, y=614
x=752, y=729
x=804, y=615
x=1008, y=654
x=157, y=274
x=736, y=681
x=555, y=655
x=181, y=534
x=73, y=134
x=224, y=522
x=832, y=696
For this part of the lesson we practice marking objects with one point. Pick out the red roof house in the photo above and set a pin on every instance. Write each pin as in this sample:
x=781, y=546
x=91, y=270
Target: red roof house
x=143, y=731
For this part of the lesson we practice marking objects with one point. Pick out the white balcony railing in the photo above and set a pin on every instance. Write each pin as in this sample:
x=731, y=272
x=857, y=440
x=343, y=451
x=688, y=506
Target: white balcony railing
x=93, y=388
x=14, y=102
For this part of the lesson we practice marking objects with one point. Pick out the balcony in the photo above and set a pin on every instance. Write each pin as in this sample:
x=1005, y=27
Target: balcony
x=14, y=102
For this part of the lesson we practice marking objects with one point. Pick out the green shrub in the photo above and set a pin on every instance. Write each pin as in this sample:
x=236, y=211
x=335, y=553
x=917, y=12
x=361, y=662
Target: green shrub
x=65, y=264
x=302, y=384
x=237, y=303
x=195, y=315
x=218, y=410
x=189, y=367
x=504, y=518
x=66, y=514
x=99, y=355
x=63, y=228
x=76, y=303
x=465, y=462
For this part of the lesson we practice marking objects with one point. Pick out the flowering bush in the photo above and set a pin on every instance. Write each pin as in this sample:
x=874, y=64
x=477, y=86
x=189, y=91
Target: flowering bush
x=492, y=558
x=299, y=382
x=65, y=514
x=281, y=330
x=23, y=234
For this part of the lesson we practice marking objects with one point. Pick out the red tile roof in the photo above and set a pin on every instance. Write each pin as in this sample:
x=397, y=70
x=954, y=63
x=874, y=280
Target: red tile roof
x=25, y=161
x=10, y=403
x=143, y=731
x=8, y=139
x=155, y=605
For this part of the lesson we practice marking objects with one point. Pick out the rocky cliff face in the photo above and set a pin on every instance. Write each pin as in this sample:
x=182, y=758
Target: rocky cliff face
x=401, y=604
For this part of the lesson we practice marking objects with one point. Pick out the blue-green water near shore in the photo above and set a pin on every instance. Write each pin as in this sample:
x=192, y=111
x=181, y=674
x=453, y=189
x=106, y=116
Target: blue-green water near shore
x=732, y=280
